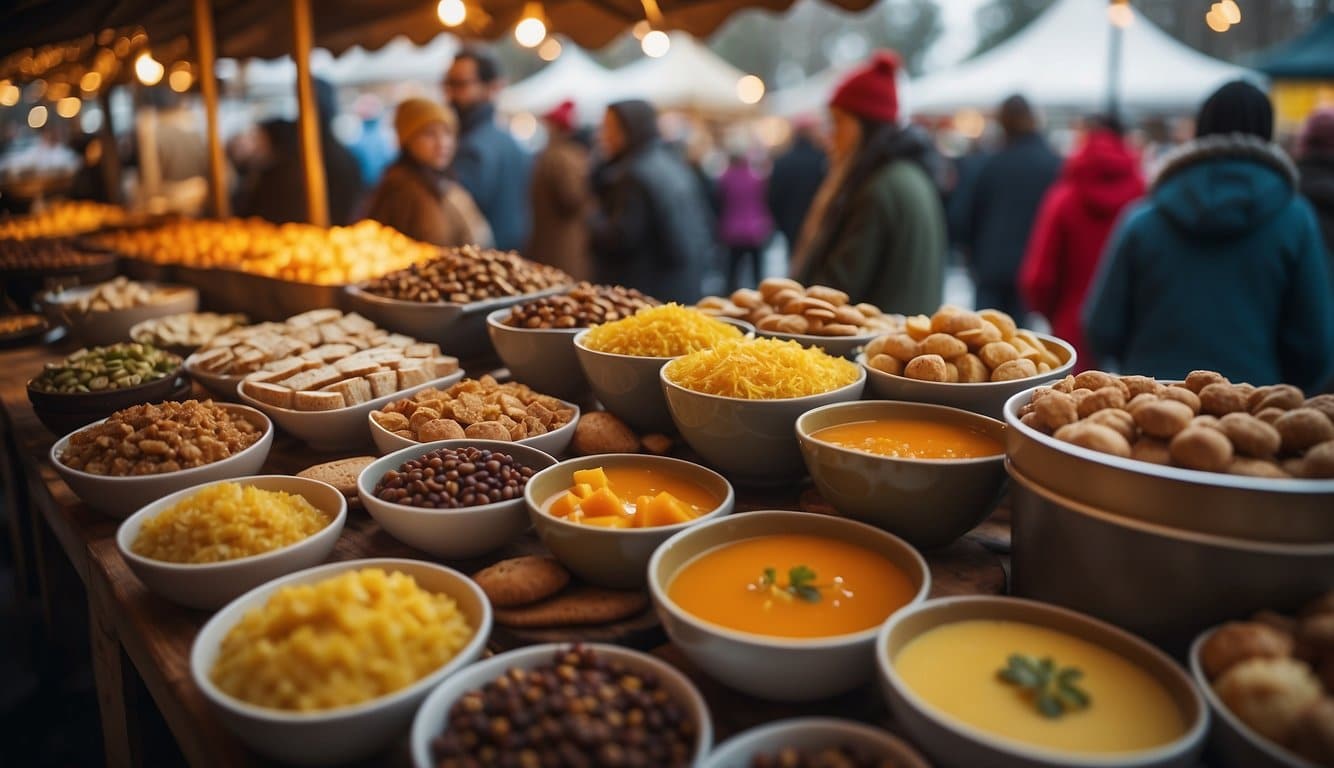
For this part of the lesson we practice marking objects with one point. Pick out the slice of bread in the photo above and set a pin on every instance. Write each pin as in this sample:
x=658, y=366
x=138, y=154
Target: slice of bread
x=318, y=401
x=383, y=383
x=268, y=393
x=341, y=474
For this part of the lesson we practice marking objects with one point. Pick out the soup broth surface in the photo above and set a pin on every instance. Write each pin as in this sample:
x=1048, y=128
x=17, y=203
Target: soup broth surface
x=912, y=439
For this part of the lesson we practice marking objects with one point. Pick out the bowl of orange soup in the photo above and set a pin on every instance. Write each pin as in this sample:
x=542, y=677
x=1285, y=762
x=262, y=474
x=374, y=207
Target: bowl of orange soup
x=1004, y=682
x=603, y=516
x=925, y=472
x=782, y=605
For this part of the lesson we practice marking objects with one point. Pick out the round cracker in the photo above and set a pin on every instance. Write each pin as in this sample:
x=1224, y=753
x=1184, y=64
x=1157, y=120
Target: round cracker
x=579, y=606
x=522, y=580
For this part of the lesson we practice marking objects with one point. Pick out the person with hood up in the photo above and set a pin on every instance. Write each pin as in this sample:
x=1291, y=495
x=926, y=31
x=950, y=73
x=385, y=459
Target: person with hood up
x=561, y=198
x=1072, y=227
x=1221, y=267
x=416, y=195
x=876, y=229
x=653, y=230
x=1315, y=161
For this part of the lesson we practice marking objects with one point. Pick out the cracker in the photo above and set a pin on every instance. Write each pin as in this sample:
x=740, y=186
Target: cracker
x=383, y=383
x=341, y=474
x=318, y=401
x=522, y=580
x=412, y=375
x=269, y=394
x=578, y=606
x=354, y=391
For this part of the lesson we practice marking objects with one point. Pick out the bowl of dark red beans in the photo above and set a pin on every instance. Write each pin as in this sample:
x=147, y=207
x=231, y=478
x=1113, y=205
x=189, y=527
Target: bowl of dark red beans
x=815, y=742
x=561, y=705
x=454, y=499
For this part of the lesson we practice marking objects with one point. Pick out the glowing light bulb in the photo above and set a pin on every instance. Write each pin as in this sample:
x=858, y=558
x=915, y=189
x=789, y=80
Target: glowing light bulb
x=90, y=81
x=9, y=94
x=69, y=106
x=656, y=44
x=148, y=69
x=180, y=80
x=1121, y=14
x=549, y=50
x=1230, y=11
x=641, y=28
x=452, y=12
x=530, y=32
x=750, y=89
x=37, y=116
x=1216, y=21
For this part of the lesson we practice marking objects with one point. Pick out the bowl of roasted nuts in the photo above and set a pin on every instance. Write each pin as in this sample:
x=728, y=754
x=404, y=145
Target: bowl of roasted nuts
x=142, y=453
x=535, y=339
x=970, y=360
x=105, y=313
x=92, y=383
x=453, y=498
x=186, y=332
x=455, y=726
x=814, y=316
x=807, y=742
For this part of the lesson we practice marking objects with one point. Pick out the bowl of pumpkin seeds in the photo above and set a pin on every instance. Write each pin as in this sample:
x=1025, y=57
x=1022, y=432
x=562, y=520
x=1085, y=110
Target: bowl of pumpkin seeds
x=95, y=382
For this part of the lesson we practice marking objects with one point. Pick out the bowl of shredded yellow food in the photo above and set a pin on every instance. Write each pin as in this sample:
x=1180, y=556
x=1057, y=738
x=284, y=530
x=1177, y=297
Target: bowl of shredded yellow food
x=622, y=359
x=737, y=403
x=205, y=545
x=328, y=665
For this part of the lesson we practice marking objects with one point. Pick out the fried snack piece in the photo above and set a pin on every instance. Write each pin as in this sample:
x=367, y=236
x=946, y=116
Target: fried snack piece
x=1198, y=380
x=1201, y=448
x=1285, y=397
x=1109, y=396
x=1116, y=419
x=1239, y=641
x=1269, y=695
x=1022, y=368
x=944, y=345
x=971, y=368
x=1248, y=467
x=1221, y=399
x=883, y=362
x=998, y=353
x=1250, y=436
x=601, y=432
x=1095, y=380
x=1182, y=395
x=1095, y=437
x=1319, y=461
x=1313, y=734
x=1163, y=419
x=1055, y=410
x=1302, y=428
x=927, y=368
x=1322, y=403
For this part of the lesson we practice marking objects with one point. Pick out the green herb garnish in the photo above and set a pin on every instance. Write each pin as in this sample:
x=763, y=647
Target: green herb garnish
x=800, y=583
x=1055, y=691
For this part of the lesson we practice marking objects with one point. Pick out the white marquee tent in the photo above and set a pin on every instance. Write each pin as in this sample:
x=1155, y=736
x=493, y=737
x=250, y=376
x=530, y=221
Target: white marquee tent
x=1060, y=62
x=574, y=76
x=690, y=77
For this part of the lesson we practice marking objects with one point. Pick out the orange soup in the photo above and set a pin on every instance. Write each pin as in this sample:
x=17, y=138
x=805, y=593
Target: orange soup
x=792, y=585
x=630, y=497
x=912, y=439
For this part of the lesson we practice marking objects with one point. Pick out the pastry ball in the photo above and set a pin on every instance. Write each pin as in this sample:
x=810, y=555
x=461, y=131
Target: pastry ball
x=1317, y=634
x=1240, y=641
x=1322, y=604
x=1313, y=735
x=1269, y=695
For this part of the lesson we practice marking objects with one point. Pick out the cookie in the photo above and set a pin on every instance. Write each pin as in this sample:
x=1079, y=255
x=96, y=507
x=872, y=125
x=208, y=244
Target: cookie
x=341, y=474
x=579, y=606
x=522, y=580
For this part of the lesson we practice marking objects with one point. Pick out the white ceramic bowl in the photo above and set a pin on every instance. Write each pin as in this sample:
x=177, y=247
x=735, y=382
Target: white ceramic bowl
x=554, y=442
x=221, y=386
x=954, y=744
x=987, y=398
x=348, y=733
x=613, y=557
x=121, y=496
x=813, y=733
x=542, y=358
x=110, y=326
x=838, y=346
x=626, y=385
x=454, y=534
x=434, y=713
x=341, y=429
x=208, y=586
x=753, y=442
x=765, y=666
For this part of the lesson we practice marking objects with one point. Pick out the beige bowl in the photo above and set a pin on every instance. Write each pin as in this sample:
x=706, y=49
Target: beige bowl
x=542, y=358
x=987, y=398
x=626, y=385
x=838, y=346
x=751, y=441
x=767, y=667
x=554, y=442
x=613, y=557
x=100, y=327
x=221, y=386
x=813, y=733
x=954, y=744
x=929, y=502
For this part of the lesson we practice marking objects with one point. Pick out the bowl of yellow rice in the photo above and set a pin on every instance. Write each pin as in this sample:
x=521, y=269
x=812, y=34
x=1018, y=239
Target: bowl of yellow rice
x=202, y=546
x=328, y=665
x=737, y=404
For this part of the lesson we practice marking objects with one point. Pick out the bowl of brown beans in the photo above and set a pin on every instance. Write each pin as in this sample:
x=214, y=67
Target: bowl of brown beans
x=815, y=742
x=452, y=498
x=517, y=708
x=535, y=339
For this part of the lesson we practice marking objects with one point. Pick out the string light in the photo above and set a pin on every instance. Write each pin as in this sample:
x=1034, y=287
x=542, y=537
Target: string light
x=69, y=106
x=1121, y=14
x=148, y=69
x=641, y=28
x=180, y=80
x=90, y=82
x=37, y=116
x=1223, y=15
x=750, y=89
x=452, y=12
x=549, y=50
x=531, y=30
x=656, y=44
x=1231, y=11
x=9, y=94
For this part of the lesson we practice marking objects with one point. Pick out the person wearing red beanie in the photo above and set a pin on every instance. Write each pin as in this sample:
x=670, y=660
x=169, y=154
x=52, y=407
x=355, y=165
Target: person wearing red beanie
x=561, y=197
x=876, y=229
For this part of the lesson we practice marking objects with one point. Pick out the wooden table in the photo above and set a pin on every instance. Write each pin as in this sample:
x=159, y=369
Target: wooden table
x=136, y=633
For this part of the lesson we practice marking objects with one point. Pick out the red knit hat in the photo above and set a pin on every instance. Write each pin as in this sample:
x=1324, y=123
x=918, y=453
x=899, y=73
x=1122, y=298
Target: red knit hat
x=562, y=116
x=870, y=91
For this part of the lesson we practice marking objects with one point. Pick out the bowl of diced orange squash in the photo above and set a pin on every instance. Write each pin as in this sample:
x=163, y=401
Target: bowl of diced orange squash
x=602, y=516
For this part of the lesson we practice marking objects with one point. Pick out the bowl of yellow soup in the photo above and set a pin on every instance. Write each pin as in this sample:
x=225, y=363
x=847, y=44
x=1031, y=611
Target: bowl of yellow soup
x=925, y=472
x=603, y=516
x=1004, y=682
x=783, y=606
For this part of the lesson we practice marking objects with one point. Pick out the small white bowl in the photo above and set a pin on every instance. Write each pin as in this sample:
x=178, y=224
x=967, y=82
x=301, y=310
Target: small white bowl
x=100, y=327
x=342, y=429
x=838, y=346
x=542, y=358
x=554, y=442
x=813, y=733
x=208, y=586
x=221, y=386
x=434, y=713
x=626, y=385
x=120, y=496
x=453, y=534
x=344, y=734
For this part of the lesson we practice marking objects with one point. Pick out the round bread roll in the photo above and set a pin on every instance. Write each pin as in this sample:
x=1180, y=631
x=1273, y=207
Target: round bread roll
x=1269, y=695
x=927, y=368
x=1239, y=641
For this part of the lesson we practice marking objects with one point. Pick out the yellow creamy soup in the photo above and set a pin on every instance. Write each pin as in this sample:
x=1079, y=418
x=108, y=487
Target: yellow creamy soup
x=954, y=668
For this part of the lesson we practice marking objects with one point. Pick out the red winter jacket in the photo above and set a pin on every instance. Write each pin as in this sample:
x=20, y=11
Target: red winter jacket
x=1067, y=240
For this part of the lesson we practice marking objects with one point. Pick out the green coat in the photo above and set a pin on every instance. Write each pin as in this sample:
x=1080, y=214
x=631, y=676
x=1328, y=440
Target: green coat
x=891, y=250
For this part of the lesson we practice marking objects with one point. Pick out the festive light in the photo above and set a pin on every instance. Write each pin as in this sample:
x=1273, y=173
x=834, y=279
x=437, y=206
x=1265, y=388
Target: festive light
x=656, y=44
x=69, y=106
x=1216, y=20
x=750, y=89
x=641, y=28
x=531, y=30
x=148, y=69
x=523, y=126
x=9, y=94
x=37, y=116
x=452, y=12
x=1121, y=14
x=90, y=81
x=1230, y=11
x=549, y=50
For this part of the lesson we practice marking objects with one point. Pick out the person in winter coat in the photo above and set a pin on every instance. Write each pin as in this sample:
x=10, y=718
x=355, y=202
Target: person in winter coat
x=744, y=224
x=561, y=198
x=794, y=180
x=1002, y=203
x=490, y=163
x=1315, y=161
x=1073, y=224
x=876, y=229
x=1221, y=267
x=654, y=228
x=416, y=195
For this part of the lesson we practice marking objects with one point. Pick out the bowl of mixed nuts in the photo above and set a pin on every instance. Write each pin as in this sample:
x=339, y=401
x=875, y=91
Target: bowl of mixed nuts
x=105, y=313
x=94, y=382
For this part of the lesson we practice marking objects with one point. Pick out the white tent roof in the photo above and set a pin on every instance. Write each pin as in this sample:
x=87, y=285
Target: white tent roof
x=573, y=76
x=811, y=96
x=1059, y=61
x=688, y=77
x=398, y=61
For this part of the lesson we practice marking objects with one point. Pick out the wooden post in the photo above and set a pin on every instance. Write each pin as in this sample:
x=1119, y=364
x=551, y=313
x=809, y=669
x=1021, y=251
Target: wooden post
x=110, y=149
x=312, y=155
x=205, y=46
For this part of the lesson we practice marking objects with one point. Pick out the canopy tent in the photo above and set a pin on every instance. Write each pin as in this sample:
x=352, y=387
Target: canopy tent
x=1060, y=62
x=573, y=76
x=690, y=77
x=1308, y=56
